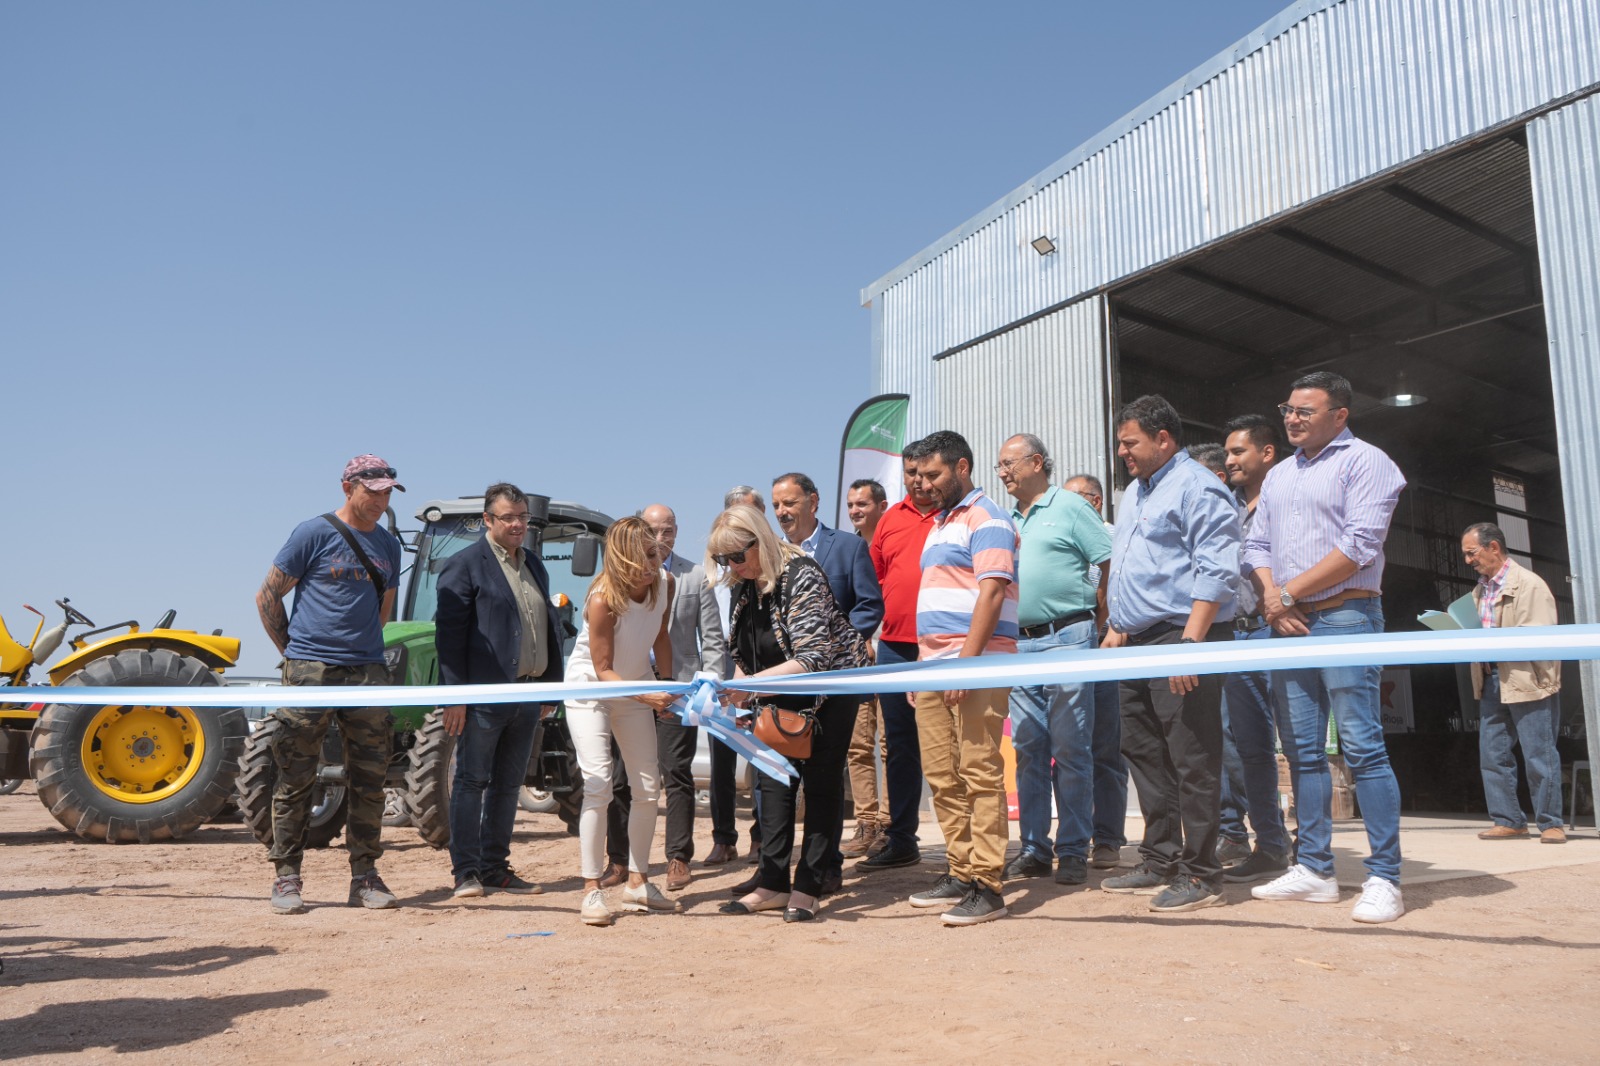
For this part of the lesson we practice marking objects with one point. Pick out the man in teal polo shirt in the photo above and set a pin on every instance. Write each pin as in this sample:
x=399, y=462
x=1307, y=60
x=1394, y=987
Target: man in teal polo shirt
x=1062, y=537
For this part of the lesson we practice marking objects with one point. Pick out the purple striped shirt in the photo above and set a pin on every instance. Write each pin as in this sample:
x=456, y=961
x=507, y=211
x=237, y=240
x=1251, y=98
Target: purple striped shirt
x=1342, y=499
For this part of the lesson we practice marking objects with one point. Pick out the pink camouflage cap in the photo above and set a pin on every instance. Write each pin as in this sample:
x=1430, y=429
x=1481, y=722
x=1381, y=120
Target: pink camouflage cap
x=372, y=472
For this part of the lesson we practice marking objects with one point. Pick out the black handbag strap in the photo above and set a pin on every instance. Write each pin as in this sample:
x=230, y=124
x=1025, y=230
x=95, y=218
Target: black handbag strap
x=355, y=546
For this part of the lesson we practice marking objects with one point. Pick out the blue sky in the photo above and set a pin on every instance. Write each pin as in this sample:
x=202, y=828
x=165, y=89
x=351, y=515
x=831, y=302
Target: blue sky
x=610, y=252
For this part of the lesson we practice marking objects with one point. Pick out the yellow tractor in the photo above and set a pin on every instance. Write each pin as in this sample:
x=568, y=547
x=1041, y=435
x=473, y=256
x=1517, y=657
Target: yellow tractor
x=125, y=773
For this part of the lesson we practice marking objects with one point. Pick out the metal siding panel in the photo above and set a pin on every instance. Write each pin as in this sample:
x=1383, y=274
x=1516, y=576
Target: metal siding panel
x=1564, y=154
x=1046, y=377
x=1339, y=94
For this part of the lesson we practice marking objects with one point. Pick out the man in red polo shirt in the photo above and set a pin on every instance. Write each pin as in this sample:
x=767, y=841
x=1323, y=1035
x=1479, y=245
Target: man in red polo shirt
x=897, y=558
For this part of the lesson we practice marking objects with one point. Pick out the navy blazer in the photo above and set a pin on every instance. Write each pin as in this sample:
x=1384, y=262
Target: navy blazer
x=844, y=558
x=478, y=627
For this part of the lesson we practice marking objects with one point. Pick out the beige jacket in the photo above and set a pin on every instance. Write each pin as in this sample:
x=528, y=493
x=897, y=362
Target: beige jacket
x=1525, y=601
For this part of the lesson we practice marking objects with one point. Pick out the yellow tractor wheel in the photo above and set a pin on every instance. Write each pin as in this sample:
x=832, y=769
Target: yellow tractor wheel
x=137, y=773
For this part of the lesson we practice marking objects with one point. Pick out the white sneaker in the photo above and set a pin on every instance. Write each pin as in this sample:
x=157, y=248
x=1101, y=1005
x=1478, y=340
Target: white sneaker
x=595, y=911
x=1380, y=902
x=1299, y=884
x=647, y=897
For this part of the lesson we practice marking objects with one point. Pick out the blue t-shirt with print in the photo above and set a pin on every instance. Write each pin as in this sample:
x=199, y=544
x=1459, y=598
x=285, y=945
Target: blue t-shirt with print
x=335, y=618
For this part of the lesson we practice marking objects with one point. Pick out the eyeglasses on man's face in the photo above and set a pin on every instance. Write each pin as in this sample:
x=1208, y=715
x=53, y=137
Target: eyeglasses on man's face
x=519, y=519
x=1303, y=414
x=1004, y=466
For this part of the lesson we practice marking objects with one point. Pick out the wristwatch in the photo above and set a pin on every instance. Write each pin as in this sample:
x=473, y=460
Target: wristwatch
x=1285, y=598
x=1187, y=640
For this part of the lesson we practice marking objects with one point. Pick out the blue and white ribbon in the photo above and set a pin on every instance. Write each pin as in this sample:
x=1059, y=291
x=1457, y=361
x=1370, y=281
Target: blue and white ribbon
x=700, y=703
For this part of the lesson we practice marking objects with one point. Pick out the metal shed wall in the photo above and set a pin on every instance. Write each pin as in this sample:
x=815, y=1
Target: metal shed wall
x=1041, y=378
x=1564, y=154
x=1325, y=96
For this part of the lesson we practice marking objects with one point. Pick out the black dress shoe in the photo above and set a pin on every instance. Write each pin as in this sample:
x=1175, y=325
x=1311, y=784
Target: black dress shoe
x=745, y=887
x=799, y=914
x=891, y=858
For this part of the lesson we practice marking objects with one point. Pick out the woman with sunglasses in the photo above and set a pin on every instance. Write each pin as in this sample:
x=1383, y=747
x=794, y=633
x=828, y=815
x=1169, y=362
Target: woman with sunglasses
x=625, y=619
x=783, y=620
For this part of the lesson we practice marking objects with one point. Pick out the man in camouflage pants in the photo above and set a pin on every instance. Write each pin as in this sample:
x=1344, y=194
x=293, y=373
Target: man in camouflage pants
x=343, y=568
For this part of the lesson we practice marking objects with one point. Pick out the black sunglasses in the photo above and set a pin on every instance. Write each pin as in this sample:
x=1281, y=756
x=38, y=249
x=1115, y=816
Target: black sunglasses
x=732, y=557
x=375, y=472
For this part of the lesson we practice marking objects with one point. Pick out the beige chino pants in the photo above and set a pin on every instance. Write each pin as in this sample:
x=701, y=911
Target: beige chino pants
x=962, y=762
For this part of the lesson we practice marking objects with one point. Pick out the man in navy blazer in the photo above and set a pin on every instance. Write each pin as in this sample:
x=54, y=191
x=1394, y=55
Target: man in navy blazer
x=495, y=624
x=842, y=556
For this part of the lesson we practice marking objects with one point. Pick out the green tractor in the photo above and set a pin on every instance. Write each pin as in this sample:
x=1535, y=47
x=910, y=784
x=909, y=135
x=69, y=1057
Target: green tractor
x=569, y=538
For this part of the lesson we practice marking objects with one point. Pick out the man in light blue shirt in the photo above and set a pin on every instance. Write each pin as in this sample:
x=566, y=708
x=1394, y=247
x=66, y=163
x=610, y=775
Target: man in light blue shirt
x=1062, y=539
x=1174, y=573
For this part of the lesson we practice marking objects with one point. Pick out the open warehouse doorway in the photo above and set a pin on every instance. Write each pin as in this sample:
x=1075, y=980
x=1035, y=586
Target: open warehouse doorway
x=1424, y=290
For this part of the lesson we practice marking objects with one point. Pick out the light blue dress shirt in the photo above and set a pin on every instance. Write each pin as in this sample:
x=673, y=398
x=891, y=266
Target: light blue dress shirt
x=1177, y=541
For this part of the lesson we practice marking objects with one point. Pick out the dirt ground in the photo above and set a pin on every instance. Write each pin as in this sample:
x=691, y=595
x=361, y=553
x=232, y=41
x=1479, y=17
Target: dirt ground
x=169, y=954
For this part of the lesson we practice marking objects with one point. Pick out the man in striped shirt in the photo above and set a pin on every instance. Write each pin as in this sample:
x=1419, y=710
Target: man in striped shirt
x=966, y=607
x=1316, y=551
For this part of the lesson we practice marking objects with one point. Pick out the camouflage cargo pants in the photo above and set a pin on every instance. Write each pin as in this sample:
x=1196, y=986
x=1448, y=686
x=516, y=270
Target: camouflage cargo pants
x=368, y=734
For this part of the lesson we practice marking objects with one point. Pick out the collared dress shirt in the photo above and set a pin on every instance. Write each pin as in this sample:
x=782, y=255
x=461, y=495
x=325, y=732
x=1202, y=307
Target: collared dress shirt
x=1489, y=594
x=1342, y=499
x=1177, y=541
x=535, y=648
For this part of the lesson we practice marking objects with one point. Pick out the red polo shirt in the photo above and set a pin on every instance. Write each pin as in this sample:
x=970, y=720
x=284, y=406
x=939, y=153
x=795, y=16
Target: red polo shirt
x=897, y=557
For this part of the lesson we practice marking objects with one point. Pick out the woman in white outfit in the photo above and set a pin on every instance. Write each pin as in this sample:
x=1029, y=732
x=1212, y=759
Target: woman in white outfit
x=625, y=618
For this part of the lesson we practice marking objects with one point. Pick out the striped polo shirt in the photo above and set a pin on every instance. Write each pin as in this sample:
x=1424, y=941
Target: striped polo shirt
x=973, y=540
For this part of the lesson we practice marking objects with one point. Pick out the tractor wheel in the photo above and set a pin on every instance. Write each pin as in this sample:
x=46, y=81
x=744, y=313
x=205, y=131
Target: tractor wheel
x=258, y=777
x=10, y=786
x=125, y=774
x=535, y=801
x=433, y=765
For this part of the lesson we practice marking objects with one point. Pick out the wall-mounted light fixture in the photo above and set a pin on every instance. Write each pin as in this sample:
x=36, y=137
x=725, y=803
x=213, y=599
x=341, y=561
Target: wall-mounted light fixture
x=1043, y=245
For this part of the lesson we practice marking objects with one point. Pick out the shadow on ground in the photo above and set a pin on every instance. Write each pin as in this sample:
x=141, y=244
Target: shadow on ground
x=135, y=1023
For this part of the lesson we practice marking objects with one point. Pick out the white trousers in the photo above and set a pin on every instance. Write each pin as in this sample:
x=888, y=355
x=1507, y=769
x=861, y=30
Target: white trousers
x=593, y=724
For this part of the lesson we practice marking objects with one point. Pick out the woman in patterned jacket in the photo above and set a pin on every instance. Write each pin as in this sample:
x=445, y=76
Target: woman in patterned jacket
x=783, y=620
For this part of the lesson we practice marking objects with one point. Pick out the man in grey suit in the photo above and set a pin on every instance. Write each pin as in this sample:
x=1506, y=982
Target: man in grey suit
x=697, y=644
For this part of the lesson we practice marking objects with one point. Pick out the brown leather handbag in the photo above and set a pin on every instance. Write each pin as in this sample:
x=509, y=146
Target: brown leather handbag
x=786, y=732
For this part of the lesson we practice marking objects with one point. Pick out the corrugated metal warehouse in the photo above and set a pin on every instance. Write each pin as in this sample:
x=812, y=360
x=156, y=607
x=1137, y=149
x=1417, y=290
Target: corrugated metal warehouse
x=1374, y=187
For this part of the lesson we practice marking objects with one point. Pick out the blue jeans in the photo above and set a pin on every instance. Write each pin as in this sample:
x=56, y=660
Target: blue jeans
x=1110, y=769
x=1535, y=723
x=1054, y=721
x=902, y=766
x=1248, y=734
x=1303, y=700
x=492, y=756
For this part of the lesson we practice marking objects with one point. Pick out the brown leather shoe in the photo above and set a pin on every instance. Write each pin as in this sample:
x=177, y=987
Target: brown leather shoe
x=1553, y=835
x=613, y=876
x=678, y=875
x=721, y=853
x=866, y=835
x=1504, y=832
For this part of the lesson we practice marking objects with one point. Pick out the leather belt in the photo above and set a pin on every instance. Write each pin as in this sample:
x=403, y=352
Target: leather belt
x=1337, y=601
x=1046, y=628
x=1249, y=623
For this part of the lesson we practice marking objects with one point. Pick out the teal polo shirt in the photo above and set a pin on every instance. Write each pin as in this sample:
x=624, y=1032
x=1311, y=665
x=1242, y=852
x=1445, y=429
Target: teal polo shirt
x=1062, y=536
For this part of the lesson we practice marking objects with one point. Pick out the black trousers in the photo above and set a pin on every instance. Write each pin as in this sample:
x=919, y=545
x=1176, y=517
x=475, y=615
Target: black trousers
x=724, y=797
x=675, y=748
x=823, y=777
x=1173, y=746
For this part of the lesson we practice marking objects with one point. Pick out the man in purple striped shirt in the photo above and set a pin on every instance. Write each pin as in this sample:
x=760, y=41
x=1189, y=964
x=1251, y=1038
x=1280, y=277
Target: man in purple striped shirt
x=1316, y=552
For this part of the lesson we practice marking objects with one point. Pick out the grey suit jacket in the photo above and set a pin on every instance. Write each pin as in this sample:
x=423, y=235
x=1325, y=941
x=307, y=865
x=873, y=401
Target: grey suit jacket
x=694, y=623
